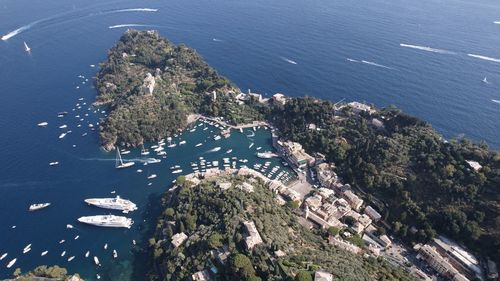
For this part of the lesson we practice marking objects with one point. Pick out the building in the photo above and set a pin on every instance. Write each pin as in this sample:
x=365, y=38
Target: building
x=344, y=245
x=462, y=260
x=353, y=200
x=203, y=275
x=296, y=154
x=178, y=239
x=322, y=276
x=385, y=241
x=253, y=237
x=474, y=165
x=279, y=98
x=326, y=174
x=374, y=215
x=358, y=107
x=440, y=263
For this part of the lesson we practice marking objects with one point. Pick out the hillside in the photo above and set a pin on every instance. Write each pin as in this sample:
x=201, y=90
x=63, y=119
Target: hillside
x=151, y=85
x=213, y=215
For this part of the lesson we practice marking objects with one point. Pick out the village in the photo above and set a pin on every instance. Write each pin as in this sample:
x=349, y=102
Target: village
x=324, y=201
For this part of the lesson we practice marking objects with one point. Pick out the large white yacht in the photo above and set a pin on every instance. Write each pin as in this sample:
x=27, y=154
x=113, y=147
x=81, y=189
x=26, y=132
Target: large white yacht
x=113, y=204
x=107, y=221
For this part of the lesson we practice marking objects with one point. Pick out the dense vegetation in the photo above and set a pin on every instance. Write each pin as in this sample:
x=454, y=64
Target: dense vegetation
x=212, y=218
x=183, y=85
x=44, y=273
x=423, y=181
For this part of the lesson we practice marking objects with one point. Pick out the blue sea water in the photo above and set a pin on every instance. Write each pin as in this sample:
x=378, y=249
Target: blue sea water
x=329, y=49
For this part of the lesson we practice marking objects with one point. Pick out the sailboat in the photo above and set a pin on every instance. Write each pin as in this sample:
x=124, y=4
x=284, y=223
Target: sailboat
x=119, y=162
x=26, y=48
x=144, y=151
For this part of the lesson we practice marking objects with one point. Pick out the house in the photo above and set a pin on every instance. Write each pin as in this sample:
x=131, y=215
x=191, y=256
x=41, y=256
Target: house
x=440, y=263
x=203, y=275
x=474, y=165
x=178, y=239
x=385, y=241
x=279, y=98
x=326, y=174
x=322, y=276
x=358, y=107
x=374, y=215
x=353, y=200
x=253, y=237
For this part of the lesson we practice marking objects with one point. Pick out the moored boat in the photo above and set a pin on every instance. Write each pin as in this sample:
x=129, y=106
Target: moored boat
x=107, y=221
x=36, y=207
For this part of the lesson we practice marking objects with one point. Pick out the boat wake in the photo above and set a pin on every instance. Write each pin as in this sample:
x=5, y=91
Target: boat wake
x=484, y=58
x=496, y=22
x=59, y=16
x=496, y=101
x=217, y=40
x=352, y=60
x=427, y=49
x=288, y=60
x=375, y=64
x=130, y=25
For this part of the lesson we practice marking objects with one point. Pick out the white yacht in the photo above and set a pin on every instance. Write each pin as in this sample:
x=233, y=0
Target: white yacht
x=182, y=142
x=44, y=253
x=3, y=256
x=87, y=254
x=62, y=135
x=177, y=171
x=150, y=177
x=42, y=124
x=107, y=221
x=113, y=204
x=266, y=155
x=54, y=163
x=35, y=207
x=115, y=254
x=11, y=263
x=200, y=144
x=119, y=162
x=96, y=261
x=144, y=151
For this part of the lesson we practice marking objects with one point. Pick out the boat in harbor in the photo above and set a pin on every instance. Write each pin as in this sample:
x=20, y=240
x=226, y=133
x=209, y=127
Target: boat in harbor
x=96, y=261
x=115, y=254
x=144, y=151
x=150, y=177
x=54, y=163
x=229, y=151
x=87, y=254
x=116, y=203
x=42, y=124
x=63, y=253
x=3, y=256
x=36, y=207
x=11, y=263
x=119, y=161
x=177, y=171
x=107, y=221
x=62, y=135
x=106, y=246
x=71, y=258
x=266, y=154
x=44, y=253
x=182, y=142
x=153, y=161
x=217, y=137
x=200, y=144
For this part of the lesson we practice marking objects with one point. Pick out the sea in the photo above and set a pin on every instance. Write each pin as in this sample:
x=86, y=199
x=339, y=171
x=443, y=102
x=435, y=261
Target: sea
x=436, y=59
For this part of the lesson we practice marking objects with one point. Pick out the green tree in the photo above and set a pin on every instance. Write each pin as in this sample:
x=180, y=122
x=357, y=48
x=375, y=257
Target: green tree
x=214, y=241
x=303, y=276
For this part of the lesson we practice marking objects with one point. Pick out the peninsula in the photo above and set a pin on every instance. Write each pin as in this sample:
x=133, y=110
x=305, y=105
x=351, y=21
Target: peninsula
x=414, y=182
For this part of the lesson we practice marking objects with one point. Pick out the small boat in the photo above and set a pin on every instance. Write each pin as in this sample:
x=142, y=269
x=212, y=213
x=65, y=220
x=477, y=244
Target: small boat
x=54, y=163
x=44, y=253
x=96, y=261
x=161, y=153
x=63, y=126
x=62, y=135
x=250, y=146
x=71, y=258
x=200, y=144
x=229, y=151
x=152, y=176
x=133, y=242
x=119, y=162
x=63, y=253
x=27, y=249
x=115, y=254
x=216, y=149
x=27, y=48
x=177, y=171
x=217, y=137
x=36, y=207
x=182, y=142
x=62, y=241
x=5, y=255
x=42, y=124
x=106, y=246
x=63, y=113
x=485, y=80
x=259, y=148
x=153, y=161
x=125, y=152
x=172, y=145
x=144, y=151
x=87, y=254
x=98, y=276
x=76, y=237
x=139, y=170
x=11, y=263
